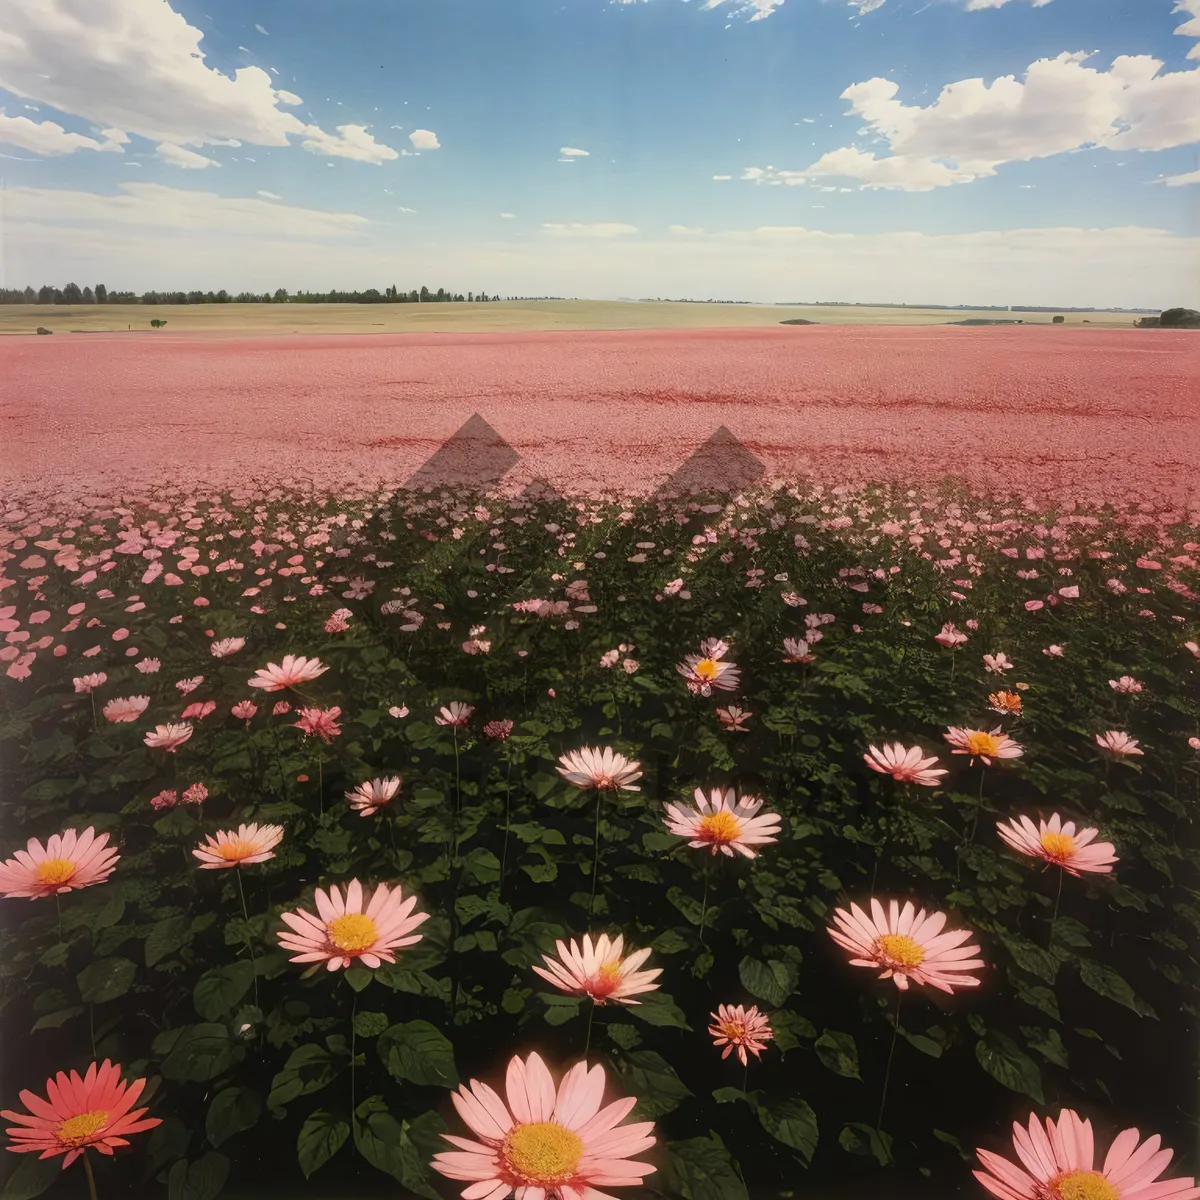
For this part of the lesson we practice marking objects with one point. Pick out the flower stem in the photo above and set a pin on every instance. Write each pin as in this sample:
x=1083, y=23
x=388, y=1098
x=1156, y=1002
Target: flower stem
x=704, y=902
x=58, y=905
x=95, y=725
x=595, y=854
x=887, y=1075
x=249, y=943
x=457, y=795
x=91, y=1179
x=978, y=803
x=321, y=784
x=587, y=1045
x=507, y=823
x=353, y=1054
x=1057, y=898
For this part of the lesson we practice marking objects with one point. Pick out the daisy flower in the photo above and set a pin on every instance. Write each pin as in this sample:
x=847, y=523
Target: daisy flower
x=724, y=823
x=600, y=770
x=1055, y=651
x=545, y=1141
x=95, y=1111
x=189, y=685
x=950, y=636
x=128, y=708
x=455, y=713
x=68, y=861
x=148, y=666
x=498, y=729
x=797, y=650
x=1058, y=844
x=1193, y=647
x=292, y=672
x=319, y=722
x=368, y=798
x=904, y=765
x=705, y=671
x=168, y=737
x=244, y=710
x=344, y=931
x=733, y=718
x=997, y=664
x=1126, y=685
x=744, y=1029
x=907, y=945
x=226, y=646
x=249, y=844
x=1059, y=1164
x=981, y=745
x=1007, y=703
x=1118, y=744
x=198, y=710
x=598, y=970
x=88, y=683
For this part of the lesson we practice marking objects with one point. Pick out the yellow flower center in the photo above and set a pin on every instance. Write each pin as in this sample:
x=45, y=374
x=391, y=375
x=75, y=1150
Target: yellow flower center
x=352, y=933
x=1082, y=1185
x=720, y=827
x=707, y=668
x=55, y=871
x=1058, y=846
x=900, y=950
x=735, y=1031
x=78, y=1130
x=542, y=1153
x=983, y=744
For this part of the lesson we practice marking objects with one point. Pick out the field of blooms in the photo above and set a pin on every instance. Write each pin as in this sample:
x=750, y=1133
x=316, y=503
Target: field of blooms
x=440, y=845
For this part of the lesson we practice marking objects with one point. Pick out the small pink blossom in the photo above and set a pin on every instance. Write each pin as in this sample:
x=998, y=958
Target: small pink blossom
x=1126, y=685
x=190, y=685
x=128, y=708
x=398, y=711
x=167, y=798
x=281, y=707
x=196, y=794
x=199, y=710
x=319, y=722
x=244, y=710
x=148, y=666
x=498, y=729
x=455, y=714
x=1055, y=651
x=950, y=636
x=733, y=718
x=88, y=683
x=996, y=664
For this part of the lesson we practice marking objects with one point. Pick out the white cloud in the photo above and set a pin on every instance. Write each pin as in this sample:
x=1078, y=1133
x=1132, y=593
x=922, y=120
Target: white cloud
x=350, y=141
x=573, y=152
x=269, y=195
x=47, y=137
x=683, y=230
x=972, y=128
x=760, y=9
x=136, y=66
x=151, y=206
x=424, y=139
x=508, y=216
x=980, y=5
x=722, y=178
x=402, y=209
x=1189, y=28
x=592, y=229
x=1175, y=181
x=177, y=156
x=262, y=31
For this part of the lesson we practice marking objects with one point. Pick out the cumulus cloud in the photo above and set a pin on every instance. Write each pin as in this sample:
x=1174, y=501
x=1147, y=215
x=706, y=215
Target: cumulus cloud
x=758, y=9
x=1189, y=28
x=269, y=195
x=507, y=216
x=589, y=229
x=573, y=152
x=973, y=128
x=1175, y=181
x=683, y=230
x=350, y=141
x=49, y=138
x=136, y=66
x=424, y=139
x=177, y=156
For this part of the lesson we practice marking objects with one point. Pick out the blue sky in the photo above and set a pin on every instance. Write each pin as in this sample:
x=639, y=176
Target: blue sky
x=326, y=100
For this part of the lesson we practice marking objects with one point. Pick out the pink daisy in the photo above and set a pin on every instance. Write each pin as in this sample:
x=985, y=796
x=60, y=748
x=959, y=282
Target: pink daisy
x=148, y=666
x=797, y=650
x=1058, y=844
x=600, y=770
x=734, y=718
x=226, y=646
x=498, y=729
x=68, y=861
x=981, y=745
x=129, y=708
x=368, y=798
x=1059, y=1164
x=705, y=671
x=455, y=714
x=168, y=737
x=997, y=664
x=88, y=683
x=319, y=722
x=598, y=970
x=344, y=931
x=950, y=636
x=904, y=765
x=1118, y=744
x=744, y=1029
x=189, y=685
x=1126, y=685
x=724, y=823
x=545, y=1143
x=248, y=844
x=907, y=945
x=292, y=672
x=198, y=710
x=244, y=710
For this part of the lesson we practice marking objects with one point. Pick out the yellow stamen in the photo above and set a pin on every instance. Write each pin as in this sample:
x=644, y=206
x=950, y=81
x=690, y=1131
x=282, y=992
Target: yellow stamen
x=235, y=850
x=900, y=950
x=983, y=744
x=720, y=827
x=735, y=1031
x=352, y=933
x=611, y=971
x=1082, y=1185
x=1058, y=846
x=542, y=1153
x=78, y=1130
x=55, y=871
x=707, y=668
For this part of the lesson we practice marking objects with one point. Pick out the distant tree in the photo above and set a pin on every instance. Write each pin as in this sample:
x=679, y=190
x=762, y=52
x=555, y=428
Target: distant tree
x=88, y=297
x=30, y=296
x=71, y=294
x=1058, y=320
x=58, y=296
x=424, y=294
x=222, y=297
x=101, y=294
x=281, y=295
x=1179, y=318
x=157, y=324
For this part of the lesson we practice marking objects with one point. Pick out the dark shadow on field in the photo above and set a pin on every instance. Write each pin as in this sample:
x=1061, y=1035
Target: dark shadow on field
x=722, y=465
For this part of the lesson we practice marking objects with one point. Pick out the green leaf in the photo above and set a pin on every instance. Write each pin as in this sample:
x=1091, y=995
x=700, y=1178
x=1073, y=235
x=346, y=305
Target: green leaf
x=308, y=1069
x=232, y=1111
x=55, y=1020
x=1005, y=1062
x=859, y=1138
x=791, y=1122
x=106, y=979
x=31, y=1178
x=789, y=1027
x=1047, y=1042
x=321, y=1137
x=657, y=1008
x=200, y=1053
x=702, y=1169
x=689, y=906
x=1101, y=978
x=358, y=977
x=772, y=981
x=217, y=992
x=1030, y=957
x=389, y=1145
x=370, y=1024
x=420, y=1053
x=839, y=1053
x=201, y=1180
x=648, y=1076
x=166, y=937
x=670, y=942
x=560, y=1009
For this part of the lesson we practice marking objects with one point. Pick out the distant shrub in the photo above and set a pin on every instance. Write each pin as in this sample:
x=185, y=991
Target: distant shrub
x=157, y=324
x=1058, y=321
x=43, y=329
x=1180, y=318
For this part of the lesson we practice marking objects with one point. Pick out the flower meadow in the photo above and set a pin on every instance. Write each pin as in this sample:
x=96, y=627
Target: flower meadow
x=816, y=842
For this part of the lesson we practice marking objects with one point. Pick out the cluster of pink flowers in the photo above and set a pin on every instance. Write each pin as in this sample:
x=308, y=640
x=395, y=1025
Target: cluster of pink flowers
x=197, y=793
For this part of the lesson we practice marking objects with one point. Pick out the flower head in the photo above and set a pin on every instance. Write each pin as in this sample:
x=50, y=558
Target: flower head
x=546, y=1141
x=167, y=798
x=797, y=650
x=1126, y=685
x=368, y=798
x=733, y=718
x=226, y=646
x=1194, y=647
x=1059, y=1164
x=292, y=672
x=950, y=636
x=599, y=970
x=196, y=794
x=455, y=714
x=724, y=823
x=1118, y=744
x=904, y=765
x=744, y=1029
x=907, y=945
x=1058, y=844
x=88, y=683
x=1054, y=651
x=319, y=722
x=95, y=1111
x=148, y=666
x=981, y=745
x=997, y=664
x=346, y=930
x=600, y=770
x=706, y=670
x=68, y=861
x=189, y=685
x=128, y=708
x=168, y=737
x=248, y=844
x=500, y=730
x=1008, y=703
x=244, y=710
x=199, y=709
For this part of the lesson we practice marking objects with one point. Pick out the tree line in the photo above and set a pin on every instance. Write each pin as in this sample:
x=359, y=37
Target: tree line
x=72, y=293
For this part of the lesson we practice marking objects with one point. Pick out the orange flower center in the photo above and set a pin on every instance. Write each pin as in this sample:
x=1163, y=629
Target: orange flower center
x=983, y=744
x=55, y=871
x=1058, y=846
x=542, y=1153
x=79, y=1130
x=707, y=668
x=353, y=932
x=236, y=849
x=720, y=828
x=900, y=950
x=1082, y=1185
x=734, y=1030
x=1005, y=700
x=605, y=981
